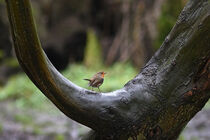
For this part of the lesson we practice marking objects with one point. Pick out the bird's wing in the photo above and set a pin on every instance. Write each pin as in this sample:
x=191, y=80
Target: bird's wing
x=91, y=82
x=97, y=83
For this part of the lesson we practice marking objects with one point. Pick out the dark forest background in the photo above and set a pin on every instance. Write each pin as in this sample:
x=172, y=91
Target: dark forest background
x=81, y=38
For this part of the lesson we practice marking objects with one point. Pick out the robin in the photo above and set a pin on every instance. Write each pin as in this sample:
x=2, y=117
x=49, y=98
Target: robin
x=97, y=80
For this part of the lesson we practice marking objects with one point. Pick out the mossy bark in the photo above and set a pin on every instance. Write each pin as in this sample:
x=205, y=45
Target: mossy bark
x=157, y=104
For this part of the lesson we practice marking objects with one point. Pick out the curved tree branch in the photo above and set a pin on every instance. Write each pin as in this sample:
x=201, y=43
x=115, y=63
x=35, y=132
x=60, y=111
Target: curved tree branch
x=172, y=87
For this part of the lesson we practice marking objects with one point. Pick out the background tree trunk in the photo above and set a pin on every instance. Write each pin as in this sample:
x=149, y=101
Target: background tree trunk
x=136, y=33
x=157, y=104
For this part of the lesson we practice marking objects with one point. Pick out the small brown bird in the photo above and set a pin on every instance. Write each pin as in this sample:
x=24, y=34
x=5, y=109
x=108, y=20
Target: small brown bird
x=97, y=80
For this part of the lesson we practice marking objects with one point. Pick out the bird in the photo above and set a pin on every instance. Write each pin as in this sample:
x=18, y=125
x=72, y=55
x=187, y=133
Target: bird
x=97, y=80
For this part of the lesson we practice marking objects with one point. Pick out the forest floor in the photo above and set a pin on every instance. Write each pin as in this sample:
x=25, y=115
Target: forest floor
x=30, y=124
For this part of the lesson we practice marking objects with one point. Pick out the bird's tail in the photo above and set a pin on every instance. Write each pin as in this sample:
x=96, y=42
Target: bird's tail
x=87, y=80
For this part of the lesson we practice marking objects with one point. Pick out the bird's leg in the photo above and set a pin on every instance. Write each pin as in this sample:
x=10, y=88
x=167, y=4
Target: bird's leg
x=99, y=89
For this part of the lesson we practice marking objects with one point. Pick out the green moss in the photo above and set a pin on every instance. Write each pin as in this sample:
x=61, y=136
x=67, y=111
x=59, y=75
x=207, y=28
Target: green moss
x=93, y=50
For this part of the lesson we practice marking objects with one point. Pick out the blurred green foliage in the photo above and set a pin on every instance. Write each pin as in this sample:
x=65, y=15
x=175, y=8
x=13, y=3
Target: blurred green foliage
x=27, y=120
x=1, y=54
x=170, y=12
x=207, y=105
x=37, y=130
x=23, y=91
x=24, y=119
x=11, y=62
x=20, y=89
x=59, y=137
x=181, y=137
x=93, y=57
x=117, y=75
x=1, y=128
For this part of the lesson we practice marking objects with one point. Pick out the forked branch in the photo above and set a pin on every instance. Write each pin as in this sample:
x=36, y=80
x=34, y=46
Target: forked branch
x=172, y=87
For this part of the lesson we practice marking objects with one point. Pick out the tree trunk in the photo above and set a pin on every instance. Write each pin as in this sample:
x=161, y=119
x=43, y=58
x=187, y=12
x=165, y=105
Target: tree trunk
x=157, y=104
x=133, y=40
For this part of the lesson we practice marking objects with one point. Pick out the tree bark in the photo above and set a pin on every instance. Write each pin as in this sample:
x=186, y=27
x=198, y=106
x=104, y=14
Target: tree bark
x=157, y=104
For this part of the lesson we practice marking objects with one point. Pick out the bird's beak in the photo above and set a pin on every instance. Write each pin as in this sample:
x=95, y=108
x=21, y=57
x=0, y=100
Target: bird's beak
x=105, y=73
